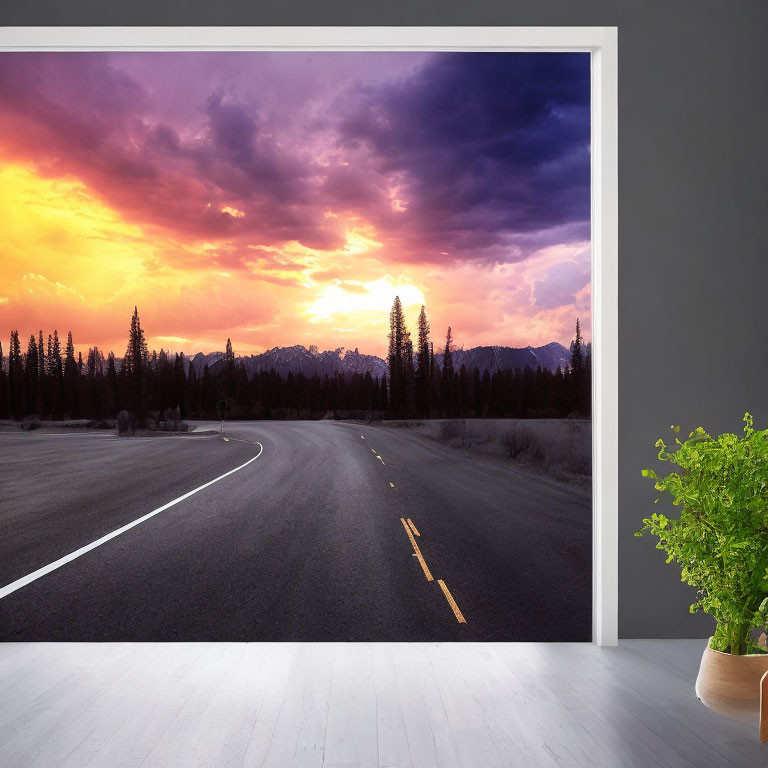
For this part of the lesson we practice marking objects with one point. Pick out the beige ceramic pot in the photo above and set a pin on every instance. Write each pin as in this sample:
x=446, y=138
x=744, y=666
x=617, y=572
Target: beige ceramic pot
x=730, y=685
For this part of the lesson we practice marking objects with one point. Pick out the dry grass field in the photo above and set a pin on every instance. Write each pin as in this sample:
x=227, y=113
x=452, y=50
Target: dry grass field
x=560, y=447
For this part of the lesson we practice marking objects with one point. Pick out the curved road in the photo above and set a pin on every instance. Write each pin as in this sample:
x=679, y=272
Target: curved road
x=307, y=542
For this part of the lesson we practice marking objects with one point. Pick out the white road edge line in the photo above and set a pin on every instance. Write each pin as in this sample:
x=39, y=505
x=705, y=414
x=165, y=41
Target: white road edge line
x=54, y=434
x=108, y=436
x=46, y=569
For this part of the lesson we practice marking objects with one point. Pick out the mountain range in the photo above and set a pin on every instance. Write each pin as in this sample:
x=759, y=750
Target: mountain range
x=299, y=359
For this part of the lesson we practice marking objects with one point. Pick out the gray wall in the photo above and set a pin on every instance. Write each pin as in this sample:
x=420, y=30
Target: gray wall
x=693, y=131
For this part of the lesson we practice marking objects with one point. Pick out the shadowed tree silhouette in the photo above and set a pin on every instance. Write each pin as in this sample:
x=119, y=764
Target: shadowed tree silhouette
x=399, y=360
x=161, y=388
x=4, y=413
x=425, y=366
x=31, y=376
x=448, y=375
x=134, y=368
x=15, y=377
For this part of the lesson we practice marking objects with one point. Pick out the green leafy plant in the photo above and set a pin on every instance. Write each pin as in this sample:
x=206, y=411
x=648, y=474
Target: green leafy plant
x=760, y=620
x=720, y=538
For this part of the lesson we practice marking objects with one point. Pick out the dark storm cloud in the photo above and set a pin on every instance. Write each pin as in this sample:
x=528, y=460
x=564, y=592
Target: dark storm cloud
x=235, y=139
x=489, y=153
x=493, y=147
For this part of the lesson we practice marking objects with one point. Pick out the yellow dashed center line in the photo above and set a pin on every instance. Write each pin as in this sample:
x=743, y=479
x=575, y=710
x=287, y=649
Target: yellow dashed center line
x=449, y=597
x=412, y=531
x=417, y=551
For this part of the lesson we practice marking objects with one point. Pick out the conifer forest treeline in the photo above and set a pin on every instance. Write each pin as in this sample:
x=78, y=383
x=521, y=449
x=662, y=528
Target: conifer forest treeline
x=45, y=382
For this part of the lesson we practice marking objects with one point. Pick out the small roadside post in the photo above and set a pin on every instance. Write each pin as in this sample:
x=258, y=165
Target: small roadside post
x=222, y=407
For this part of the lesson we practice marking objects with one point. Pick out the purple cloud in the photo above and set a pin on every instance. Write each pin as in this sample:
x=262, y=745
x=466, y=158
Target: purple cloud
x=495, y=148
x=561, y=284
x=488, y=154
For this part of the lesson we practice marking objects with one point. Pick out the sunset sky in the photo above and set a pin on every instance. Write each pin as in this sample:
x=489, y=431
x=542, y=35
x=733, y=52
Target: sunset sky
x=285, y=198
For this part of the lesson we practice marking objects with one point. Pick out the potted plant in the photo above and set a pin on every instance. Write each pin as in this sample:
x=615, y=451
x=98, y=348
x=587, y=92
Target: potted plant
x=720, y=540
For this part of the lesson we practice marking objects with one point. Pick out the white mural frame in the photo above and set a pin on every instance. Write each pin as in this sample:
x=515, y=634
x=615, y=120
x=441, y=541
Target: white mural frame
x=601, y=43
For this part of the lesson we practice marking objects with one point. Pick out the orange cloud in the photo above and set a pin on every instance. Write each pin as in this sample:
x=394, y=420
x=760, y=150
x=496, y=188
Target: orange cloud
x=72, y=261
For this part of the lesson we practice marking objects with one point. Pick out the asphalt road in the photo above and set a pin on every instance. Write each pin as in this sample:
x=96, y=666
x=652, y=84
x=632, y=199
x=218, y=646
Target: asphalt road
x=304, y=543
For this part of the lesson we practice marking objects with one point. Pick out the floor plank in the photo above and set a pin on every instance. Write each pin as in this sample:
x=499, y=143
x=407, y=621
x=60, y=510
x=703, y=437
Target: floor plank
x=355, y=705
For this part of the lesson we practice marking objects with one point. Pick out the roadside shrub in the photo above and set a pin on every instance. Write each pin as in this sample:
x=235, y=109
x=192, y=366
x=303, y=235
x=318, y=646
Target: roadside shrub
x=168, y=420
x=516, y=440
x=566, y=450
x=558, y=446
x=100, y=424
x=125, y=423
x=451, y=430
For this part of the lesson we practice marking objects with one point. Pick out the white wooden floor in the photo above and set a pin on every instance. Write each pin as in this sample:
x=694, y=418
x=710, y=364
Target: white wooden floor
x=334, y=705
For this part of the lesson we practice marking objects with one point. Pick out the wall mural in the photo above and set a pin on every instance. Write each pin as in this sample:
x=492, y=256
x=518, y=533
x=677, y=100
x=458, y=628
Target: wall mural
x=296, y=346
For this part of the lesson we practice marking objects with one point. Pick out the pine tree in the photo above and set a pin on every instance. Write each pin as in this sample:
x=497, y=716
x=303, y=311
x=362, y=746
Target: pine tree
x=577, y=372
x=586, y=404
x=228, y=388
x=93, y=385
x=423, y=326
x=4, y=413
x=180, y=386
x=69, y=353
x=434, y=381
x=31, y=376
x=135, y=366
x=92, y=365
x=112, y=404
x=577, y=350
x=424, y=366
x=400, y=370
x=40, y=354
x=15, y=378
x=56, y=374
x=70, y=378
x=163, y=389
x=54, y=357
x=448, y=375
x=42, y=377
x=448, y=354
x=410, y=375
